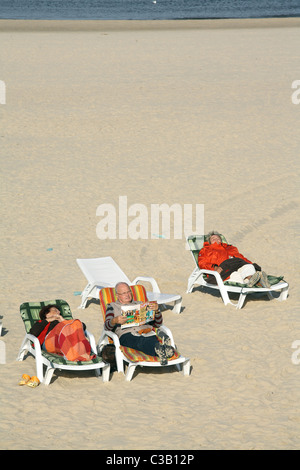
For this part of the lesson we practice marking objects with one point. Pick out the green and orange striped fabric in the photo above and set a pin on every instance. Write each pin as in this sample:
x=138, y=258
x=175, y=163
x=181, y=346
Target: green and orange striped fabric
x=137, y=356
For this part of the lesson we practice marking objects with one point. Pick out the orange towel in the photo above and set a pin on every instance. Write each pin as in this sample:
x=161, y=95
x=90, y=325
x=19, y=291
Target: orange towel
x=68, y=339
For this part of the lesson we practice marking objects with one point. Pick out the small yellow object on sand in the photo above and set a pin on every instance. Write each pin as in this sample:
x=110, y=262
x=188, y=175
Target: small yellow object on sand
x=33, y=382
x=25, y=379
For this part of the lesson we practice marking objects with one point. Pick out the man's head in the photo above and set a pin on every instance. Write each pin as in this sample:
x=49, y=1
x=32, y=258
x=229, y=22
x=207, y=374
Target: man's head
x=214, y=237
x=123, y=292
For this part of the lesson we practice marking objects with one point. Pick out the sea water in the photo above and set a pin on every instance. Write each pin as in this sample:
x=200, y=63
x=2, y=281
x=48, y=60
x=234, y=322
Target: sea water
x=146, y=9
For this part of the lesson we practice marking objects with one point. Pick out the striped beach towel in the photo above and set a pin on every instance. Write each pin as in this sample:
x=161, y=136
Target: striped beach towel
x=137, y=356
x=68, y=340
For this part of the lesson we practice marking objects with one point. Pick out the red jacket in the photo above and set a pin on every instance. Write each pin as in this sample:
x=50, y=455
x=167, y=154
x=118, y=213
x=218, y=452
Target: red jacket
x=212, y=255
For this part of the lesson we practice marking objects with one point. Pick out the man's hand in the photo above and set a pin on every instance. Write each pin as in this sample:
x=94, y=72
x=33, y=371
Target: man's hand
x=218, y=269
x=120, y=320
x=153, y=306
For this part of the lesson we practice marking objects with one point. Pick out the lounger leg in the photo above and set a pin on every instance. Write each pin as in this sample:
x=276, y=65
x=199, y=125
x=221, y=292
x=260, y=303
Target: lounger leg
x=120, y=362
x=284, y=294
x=130, y=372
x=193, y=280
x=223, y=291
x=105, y=372
x=177, y=306
x=48, y=375
x=241, y=300
x=39, y=371
x=270, y=295
x=85, y=294
x=186, y=367
x=190, y=287
x=2, y=352
x=23, y=349
x=83, y=302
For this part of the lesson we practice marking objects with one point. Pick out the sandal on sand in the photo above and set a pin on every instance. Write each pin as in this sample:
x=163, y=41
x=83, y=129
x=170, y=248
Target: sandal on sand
x=33, y=382
x=25, y=379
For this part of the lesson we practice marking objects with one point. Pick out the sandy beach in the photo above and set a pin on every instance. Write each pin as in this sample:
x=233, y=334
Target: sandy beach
x=185, y=112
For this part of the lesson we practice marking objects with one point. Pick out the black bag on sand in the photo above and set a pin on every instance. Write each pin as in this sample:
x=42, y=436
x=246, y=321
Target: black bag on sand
x=108, y=355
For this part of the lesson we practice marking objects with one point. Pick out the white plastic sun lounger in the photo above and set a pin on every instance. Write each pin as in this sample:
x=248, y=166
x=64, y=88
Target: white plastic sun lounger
x=129, y=356
x=105, y=272
x=198, y=277
x=29, y=312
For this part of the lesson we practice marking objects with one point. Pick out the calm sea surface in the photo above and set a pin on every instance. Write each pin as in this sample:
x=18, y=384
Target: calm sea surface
x=146, y=9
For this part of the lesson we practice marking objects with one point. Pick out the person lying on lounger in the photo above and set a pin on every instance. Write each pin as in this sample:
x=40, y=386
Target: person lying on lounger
x=63, y=337
x=137, y=337
x=229, y=263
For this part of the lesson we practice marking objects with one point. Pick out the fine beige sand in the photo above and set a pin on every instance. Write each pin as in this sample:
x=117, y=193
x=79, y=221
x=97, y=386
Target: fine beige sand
x=186, y=112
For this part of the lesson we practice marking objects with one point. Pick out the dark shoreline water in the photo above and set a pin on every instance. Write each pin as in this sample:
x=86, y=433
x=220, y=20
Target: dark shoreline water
x=147, y=9
x=144, y=25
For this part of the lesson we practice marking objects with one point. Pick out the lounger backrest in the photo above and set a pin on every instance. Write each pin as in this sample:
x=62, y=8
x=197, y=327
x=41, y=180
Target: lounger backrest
x=108, y=295
x=102, y=271
x=30, y=311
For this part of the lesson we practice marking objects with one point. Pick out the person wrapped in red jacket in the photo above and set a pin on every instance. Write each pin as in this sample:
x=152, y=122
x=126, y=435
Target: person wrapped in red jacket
x=229, y=263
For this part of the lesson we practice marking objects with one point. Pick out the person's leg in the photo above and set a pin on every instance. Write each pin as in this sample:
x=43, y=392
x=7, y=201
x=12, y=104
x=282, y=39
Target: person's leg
x=246, y=274
x=228, y=266
x=146, y=344
x=249, y=273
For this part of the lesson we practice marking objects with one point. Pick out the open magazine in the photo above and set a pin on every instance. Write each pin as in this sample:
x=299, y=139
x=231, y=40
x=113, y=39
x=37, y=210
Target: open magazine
x=137, y=315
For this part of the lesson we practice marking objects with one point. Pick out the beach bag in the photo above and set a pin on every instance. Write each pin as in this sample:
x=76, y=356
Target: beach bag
x=108, y=354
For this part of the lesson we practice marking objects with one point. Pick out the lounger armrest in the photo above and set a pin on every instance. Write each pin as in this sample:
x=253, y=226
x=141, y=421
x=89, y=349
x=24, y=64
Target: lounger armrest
x=35, y=341
x=152, y=281
x=113, y=336
x=92, y=341
x=212, y=273
x=169, y=333
x=118, y=353
x=208, y=271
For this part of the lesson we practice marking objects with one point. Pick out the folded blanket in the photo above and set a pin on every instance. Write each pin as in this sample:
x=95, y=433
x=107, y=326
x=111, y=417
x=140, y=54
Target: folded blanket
x=68, y=339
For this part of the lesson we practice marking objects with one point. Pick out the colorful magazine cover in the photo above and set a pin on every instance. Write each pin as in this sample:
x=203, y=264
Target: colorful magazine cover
x=137, y=315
